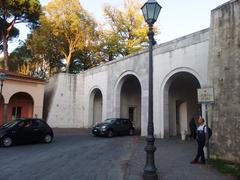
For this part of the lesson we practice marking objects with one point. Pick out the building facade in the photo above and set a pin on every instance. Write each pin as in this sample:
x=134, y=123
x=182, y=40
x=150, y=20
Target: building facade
x=120, y=88
x=22, y=97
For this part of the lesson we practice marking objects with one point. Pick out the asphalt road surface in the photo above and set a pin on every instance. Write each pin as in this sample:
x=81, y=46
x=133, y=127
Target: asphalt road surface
x=77, y=155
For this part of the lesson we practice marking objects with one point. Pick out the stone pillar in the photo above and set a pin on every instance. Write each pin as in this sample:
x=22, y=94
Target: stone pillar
x=2, y=116
x=224, y=76
x=5, y=113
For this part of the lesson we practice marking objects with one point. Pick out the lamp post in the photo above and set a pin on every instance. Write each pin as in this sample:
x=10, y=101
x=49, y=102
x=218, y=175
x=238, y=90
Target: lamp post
x=151, y=10
x=2, y=78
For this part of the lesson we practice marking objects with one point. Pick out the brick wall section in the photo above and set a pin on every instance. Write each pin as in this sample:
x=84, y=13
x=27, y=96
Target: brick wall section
x=224, y=75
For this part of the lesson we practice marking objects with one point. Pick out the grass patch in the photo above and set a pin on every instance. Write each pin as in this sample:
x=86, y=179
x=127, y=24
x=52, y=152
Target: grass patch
x=227, y=167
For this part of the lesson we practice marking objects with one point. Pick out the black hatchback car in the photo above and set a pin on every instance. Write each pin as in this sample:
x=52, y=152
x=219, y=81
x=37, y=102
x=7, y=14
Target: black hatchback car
x=114, y=126
x=25, y=131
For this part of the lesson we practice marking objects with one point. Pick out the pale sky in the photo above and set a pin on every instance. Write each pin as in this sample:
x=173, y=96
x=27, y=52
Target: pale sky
x=177, y=17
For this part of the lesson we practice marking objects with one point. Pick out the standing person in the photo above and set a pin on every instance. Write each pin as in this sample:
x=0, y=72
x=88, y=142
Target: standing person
x=201, y=140
x=193, y=128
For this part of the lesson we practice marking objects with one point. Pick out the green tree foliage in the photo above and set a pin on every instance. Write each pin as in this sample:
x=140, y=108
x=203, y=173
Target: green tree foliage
x=67, y=33
x=71, y=25
x=21, y=60
x=111, y=46
x=39, y=55
x=86, y=58
x=128, y=30
x=13, y=12
x=45, y=47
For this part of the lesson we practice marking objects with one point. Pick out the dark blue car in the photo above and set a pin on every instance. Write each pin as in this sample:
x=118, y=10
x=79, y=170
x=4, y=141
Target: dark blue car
x=114, y=126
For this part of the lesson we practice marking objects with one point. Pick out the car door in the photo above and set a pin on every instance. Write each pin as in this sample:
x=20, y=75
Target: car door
x=25, y=132
x=126, y=125
x=16, y=132
x=120, y=126
x=38, y=130
x=117, y=126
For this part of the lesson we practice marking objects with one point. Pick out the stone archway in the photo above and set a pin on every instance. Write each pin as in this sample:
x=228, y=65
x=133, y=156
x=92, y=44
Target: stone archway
x=129, y=96
x=20, y=105
x=95, y=106
x=180, y=103
x=1, y=109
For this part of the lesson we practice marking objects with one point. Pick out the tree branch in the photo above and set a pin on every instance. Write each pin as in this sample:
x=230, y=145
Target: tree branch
x=10, y=28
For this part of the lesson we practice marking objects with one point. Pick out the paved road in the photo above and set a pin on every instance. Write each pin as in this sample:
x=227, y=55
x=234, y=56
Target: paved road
x=76, y=155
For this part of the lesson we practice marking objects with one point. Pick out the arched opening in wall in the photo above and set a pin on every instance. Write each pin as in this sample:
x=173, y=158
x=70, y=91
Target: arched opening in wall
x=130, y=100
x=95, y=106
x=20, y=105
x=181, y=104
x=1, y=109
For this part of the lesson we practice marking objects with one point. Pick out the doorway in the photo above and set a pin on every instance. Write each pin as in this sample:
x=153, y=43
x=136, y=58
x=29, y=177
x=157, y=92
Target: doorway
x=131, y=114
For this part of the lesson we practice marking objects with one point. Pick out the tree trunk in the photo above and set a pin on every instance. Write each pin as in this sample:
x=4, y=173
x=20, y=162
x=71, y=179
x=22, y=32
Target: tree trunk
x=5, y=38
x=68, y=60
x=5, y=52
x=110, y=58
x=67, y=68
x=5, y=33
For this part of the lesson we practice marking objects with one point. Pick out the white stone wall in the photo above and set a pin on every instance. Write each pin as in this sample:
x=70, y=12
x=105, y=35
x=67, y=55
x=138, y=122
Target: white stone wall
x=67, y=105
x=212, y=58
x=224, y=77
x=186, y=54
x=70, y=105
x=95, y=79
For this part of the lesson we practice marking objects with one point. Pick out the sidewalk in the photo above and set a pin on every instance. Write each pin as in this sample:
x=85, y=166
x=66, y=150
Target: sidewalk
x=172, y=160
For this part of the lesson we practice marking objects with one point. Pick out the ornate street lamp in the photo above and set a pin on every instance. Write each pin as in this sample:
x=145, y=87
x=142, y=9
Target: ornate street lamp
x=2, y=78
x=151, y=10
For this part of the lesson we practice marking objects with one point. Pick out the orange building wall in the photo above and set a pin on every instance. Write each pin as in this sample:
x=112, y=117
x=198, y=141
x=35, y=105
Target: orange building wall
x=23, y=101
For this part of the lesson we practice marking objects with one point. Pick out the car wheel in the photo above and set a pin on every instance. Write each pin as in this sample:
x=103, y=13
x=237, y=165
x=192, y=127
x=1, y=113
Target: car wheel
x=48, y=138
x=131, y=132
x=7, y=141
x=110, y=133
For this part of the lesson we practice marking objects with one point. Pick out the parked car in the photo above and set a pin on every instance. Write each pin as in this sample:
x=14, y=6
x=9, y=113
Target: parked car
x=113, y=126
x=25, y=131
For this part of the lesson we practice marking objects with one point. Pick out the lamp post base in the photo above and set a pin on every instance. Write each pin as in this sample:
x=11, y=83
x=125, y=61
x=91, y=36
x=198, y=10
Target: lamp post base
x=150, y=176
x=150, y=171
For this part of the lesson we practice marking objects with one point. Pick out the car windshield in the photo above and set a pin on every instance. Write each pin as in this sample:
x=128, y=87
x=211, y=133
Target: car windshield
x=10, y=124
x=108, y=121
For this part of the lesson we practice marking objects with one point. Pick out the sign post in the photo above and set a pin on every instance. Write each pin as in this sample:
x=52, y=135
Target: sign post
x=206, y=96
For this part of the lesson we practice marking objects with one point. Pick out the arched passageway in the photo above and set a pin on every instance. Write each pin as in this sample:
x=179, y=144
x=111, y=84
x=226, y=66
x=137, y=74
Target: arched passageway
x=130, y=100
x=1, y=109
x=20, y=106
x=181, y=99
x=95, y=106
